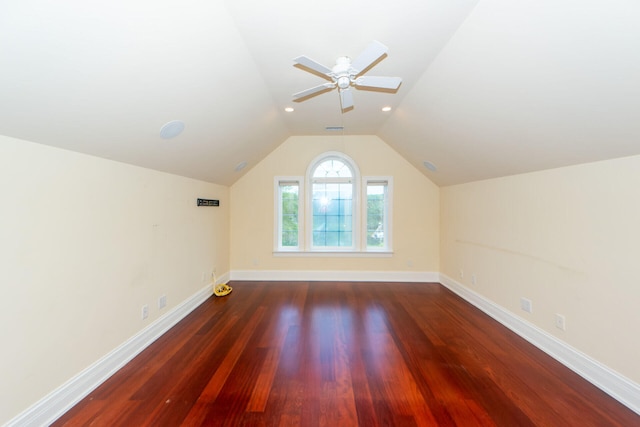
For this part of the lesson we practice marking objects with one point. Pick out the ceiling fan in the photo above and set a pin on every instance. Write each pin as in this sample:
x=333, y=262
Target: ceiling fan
x=346, y=74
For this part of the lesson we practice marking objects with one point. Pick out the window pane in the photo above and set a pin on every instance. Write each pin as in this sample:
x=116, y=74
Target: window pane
x=319, y=238
x=376, y=214
x=331, y=211
x=346, y=223
x=289, y=214
x=345, y=239
x=289, y=238
x=333, y=207
x=332, y=190
x=333, y=222
x=346, y=207
x=319, y=223
x=332, y=168
x=346, y=191
x=332, y=238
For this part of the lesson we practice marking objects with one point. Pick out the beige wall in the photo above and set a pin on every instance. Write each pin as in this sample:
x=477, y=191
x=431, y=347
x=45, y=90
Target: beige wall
x=84, y=243
x=568, y=239
x=415, y=208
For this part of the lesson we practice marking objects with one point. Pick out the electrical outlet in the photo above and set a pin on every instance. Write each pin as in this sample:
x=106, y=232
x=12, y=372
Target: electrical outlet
x=561, y=322
x=204, y=276
x=145, y=311
x=473, y=279
x=526, y=305
x=461, y=273
x=162, y=302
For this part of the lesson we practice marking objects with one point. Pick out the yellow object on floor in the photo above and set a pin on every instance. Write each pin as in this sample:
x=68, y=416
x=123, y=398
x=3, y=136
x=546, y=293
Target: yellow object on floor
x=222, y=290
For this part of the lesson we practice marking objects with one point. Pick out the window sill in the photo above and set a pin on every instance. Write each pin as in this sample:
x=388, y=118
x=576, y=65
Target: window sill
x=337, y=254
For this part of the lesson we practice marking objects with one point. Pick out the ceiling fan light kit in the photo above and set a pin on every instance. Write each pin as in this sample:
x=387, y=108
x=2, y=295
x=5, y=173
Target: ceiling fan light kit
x=346, y=74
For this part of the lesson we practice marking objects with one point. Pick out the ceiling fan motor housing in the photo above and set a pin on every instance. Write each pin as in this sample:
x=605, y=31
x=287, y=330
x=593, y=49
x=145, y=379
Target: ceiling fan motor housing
x=343, y=73
x=343, y=82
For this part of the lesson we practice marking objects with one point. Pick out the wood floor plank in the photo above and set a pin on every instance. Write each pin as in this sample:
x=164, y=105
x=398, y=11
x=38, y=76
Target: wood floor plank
x=344, y=354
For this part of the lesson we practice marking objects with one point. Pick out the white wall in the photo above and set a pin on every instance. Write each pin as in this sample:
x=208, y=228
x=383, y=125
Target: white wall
x=84, y=243
x=568, y=239
x=415, y=209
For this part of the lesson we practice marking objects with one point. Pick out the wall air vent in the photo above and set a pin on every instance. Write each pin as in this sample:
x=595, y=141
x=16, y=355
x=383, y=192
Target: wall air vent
x=334, y=128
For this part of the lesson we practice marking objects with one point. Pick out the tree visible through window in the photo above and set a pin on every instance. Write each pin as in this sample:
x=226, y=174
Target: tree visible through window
x=290, y=216
x=332, y=210
x=376, y=218
x=289, y=206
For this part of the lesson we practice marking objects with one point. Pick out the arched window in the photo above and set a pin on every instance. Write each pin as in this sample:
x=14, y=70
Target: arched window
x=333, y=180
x=332, y=210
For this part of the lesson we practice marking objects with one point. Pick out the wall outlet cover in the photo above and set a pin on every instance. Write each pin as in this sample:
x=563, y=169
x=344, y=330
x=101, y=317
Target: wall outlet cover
x=526, y=305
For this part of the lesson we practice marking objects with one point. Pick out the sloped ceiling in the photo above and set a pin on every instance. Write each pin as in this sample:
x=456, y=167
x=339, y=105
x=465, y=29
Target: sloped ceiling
x=489, y=88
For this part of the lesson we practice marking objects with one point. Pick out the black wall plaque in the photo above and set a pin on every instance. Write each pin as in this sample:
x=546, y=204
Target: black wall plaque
x=208, y=202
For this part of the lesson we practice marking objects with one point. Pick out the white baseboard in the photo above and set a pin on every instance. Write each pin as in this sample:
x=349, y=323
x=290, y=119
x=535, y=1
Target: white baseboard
x=55, y=404
x=352, y=276
x=52, y=406
x=617, y=386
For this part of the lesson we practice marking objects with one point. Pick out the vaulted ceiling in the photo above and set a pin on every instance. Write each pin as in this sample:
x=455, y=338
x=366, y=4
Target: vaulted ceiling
x=490, y=88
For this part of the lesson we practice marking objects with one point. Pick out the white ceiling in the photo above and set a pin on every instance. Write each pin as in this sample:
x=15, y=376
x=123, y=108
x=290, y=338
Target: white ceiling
x=490, y=88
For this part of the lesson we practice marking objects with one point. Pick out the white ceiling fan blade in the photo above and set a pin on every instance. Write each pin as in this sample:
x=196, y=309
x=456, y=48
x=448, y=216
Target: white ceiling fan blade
x=313, y=90
x=346, y=99
x=371, y=54
x=379, y=82
x=313, y=65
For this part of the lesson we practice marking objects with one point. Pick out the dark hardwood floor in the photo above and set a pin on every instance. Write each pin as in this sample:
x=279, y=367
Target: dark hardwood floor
x=344, y=354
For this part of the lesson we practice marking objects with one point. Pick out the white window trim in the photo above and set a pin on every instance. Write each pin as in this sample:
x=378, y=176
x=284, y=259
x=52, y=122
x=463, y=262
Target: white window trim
x=305, y=223
x=388, y=218
x=355, y=247
x=277, y=224
x=334, y=254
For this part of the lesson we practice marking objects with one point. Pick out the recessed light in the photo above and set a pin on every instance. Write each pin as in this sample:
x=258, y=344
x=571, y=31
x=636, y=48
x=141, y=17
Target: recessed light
x=241, y=166
x=289, y=109
x=386, y=109
x=171, y=129
x=430, y=166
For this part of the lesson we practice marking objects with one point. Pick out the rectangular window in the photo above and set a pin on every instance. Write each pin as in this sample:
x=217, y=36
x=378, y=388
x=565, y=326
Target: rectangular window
x=332, y=216
x=288, y=214
x=378, y=233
